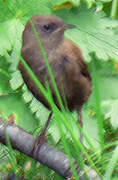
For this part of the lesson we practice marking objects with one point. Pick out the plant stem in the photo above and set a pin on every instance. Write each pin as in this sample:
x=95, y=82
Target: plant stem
x=114, y=9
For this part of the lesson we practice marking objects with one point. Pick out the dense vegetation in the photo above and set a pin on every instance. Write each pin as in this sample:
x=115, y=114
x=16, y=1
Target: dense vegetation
x=96, y=34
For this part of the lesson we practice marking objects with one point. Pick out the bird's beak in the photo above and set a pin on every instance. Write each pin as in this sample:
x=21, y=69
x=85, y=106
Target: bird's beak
x=64, y=27
x=69, y=26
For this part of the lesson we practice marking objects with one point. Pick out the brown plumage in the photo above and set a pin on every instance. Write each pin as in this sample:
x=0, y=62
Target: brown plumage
x=65, y=58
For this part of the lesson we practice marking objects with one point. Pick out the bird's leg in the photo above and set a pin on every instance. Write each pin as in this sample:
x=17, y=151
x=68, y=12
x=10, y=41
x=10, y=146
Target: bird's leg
x=80, y=122
x=41, y=139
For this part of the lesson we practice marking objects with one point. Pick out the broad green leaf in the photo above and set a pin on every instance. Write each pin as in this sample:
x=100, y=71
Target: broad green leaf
x=93, y=33
x=17, y=9
x=10, y=36
x=11, y=27
x=14, y=104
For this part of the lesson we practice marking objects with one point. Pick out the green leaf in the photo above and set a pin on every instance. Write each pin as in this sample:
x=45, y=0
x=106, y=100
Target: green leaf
x=4, y=77
x=108, y=89
x=16, y=80
x=61, y=2
x=93, y=33
x=89, y=2
x=92, y=133
x=14, y=9
x=5, y=43
x=107, y=79
x=110, y=110
x=10, y=36
x=16, y=13
x=14, y=104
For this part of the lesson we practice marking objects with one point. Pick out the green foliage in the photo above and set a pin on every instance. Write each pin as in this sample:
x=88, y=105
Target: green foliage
x=110, y=110
x=22, y=115
x=111, y=164
x=95, y=33
x=96, y=36
x=4, y=77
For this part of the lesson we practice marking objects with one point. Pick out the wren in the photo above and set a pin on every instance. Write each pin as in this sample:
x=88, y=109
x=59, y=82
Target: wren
x=65, y=58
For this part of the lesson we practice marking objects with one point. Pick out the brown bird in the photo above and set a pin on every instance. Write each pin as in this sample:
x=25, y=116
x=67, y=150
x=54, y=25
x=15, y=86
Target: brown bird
x=65, y=58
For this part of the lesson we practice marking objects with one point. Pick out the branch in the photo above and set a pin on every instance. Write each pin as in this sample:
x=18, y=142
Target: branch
x=11, y=176
x=47, y=155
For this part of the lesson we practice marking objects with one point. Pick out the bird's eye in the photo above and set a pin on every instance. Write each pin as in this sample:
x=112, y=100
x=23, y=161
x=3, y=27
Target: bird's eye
x=50, y=27
x=47, y=28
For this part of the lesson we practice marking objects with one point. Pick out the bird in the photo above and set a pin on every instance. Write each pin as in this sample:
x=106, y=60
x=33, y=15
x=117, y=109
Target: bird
x=65, y=59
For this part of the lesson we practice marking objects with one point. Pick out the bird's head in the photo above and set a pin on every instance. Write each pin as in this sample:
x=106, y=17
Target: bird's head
x=49, y=27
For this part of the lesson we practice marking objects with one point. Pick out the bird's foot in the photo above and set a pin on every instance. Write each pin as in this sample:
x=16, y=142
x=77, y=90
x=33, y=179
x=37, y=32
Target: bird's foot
x=41, y=139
